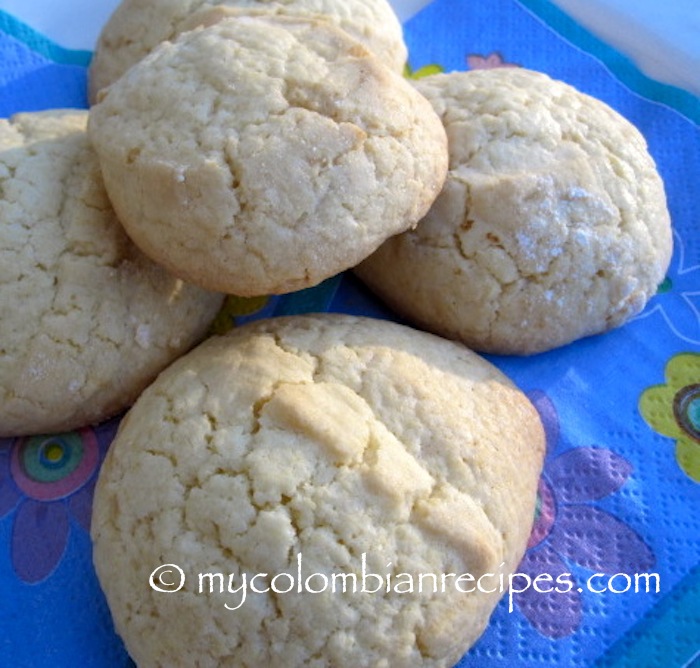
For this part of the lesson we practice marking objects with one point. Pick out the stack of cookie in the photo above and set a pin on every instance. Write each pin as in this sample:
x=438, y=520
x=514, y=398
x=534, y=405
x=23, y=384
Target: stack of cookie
x=261, y=152
x=250, y=148
x=300, y=152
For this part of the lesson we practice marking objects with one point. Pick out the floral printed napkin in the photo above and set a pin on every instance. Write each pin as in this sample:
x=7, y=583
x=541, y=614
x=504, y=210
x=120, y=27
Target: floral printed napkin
x=618, y=520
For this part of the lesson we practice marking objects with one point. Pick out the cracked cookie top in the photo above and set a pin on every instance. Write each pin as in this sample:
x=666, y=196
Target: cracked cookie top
x=137, y=26
x=316, y=445
x=263, y=155
x=86, y=320
x=552, y=224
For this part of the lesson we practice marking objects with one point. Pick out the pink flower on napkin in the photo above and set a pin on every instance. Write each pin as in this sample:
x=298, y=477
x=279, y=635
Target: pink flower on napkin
x=476, y=61
x=48, y=479
x=569, y=528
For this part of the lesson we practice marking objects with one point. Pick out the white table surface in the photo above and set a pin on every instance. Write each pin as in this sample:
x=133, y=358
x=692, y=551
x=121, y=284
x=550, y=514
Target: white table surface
x=661, y=36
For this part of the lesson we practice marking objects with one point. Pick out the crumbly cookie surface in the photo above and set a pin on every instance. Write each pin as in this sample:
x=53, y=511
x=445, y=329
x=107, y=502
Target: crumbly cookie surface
x=552, y=224
x=138, y=26
x=86, y=320
x=263, y=155
x=330, y=437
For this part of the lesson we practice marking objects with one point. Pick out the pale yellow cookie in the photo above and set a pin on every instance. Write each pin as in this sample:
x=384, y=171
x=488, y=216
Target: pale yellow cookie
x=137, y=26
x=86, y=320
x=263, y=155
x=352, y=452
x=552, y=224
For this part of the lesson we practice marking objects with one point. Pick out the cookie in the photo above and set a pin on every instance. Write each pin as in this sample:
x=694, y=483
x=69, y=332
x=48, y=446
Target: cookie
x=552, y=224
x=300, y=453
x=137, y=26
x=86, y=320
x=264, y=155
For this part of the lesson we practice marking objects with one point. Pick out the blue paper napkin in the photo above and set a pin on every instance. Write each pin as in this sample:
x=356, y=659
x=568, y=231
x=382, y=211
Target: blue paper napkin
x=619, y=501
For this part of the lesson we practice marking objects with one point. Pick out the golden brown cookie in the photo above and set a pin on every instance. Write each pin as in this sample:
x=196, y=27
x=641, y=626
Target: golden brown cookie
x=331, y=461
x=137, y=26
x=552, y=224
x=263, y=155
x=86, y=320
